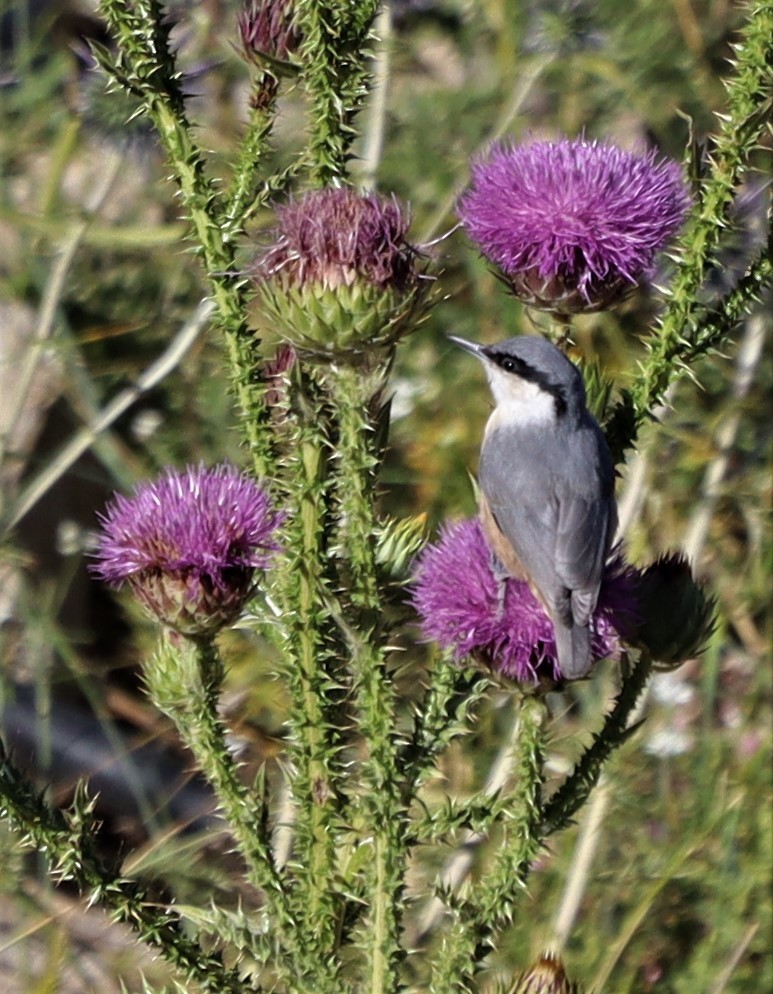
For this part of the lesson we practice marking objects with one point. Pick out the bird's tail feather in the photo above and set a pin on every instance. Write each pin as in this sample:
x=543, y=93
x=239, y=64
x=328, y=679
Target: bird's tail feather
x=574, y=649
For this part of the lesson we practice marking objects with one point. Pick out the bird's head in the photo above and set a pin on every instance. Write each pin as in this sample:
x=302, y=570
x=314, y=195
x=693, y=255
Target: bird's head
x=531, y=380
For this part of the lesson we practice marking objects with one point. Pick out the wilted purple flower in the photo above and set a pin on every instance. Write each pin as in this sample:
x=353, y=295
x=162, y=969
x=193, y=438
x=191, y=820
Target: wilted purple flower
x=336, y=237
x=458, y=599
x=188, y=545
x=268, y=30
x=573, y=225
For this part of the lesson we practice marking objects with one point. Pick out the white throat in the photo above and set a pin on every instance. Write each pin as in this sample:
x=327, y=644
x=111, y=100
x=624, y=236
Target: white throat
x=519, y=401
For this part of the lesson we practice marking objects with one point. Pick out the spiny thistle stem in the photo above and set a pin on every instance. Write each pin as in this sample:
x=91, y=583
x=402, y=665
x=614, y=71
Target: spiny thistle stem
x=490, y=904
x=677, y=340
x=356, y=467
x=184, y=680
x=69, y=840
x=310, y=645
x=332, y=56
x=146, y=66
x=353, y=392
x=574, y=791
x=243, y=192
x=716, y=323
x=448, y=704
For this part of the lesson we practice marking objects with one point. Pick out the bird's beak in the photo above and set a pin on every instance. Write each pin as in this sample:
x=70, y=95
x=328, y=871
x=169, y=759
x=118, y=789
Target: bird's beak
x=472, y=347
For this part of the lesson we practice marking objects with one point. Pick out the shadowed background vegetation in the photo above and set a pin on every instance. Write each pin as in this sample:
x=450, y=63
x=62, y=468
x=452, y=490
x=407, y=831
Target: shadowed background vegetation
x=671, y=862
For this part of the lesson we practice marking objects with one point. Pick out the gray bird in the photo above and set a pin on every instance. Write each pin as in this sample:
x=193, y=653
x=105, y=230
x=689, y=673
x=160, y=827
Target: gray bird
x=547, y=486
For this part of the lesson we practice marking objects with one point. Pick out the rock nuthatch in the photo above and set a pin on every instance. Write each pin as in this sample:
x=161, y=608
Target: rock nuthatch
x=547, y=486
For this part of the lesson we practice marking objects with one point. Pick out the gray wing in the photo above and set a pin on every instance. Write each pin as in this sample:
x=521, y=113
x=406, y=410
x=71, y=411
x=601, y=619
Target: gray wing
x=557, y=509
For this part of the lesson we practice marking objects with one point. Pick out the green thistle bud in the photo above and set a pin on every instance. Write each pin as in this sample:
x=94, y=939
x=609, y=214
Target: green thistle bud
x=339, y=279
x=546, y=976
x=677, y=617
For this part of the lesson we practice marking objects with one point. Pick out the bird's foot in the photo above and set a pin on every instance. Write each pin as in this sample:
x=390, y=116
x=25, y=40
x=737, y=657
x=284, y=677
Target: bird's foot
x=501, y=576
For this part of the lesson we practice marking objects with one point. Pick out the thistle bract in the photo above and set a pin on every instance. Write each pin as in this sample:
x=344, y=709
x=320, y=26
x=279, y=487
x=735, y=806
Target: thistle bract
x=188, y=545
x=339, y=276
x=460, y=603
x=546, y=976
x=572, y=225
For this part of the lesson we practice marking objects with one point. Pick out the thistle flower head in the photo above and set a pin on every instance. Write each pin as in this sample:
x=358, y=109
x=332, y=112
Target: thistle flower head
x=335, y=237
x=339, y=276
x=458, y=599
x=268, y=30
x=572, y=225
x=188, y=544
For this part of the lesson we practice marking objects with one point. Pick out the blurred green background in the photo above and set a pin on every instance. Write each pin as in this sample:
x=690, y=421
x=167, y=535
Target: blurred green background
x=672, y=863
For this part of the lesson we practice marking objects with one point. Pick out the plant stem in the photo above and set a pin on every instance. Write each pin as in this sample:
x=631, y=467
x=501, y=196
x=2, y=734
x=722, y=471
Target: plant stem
x=146, y=66
x=333, y=57
x=354, y=393
x=490, y=904
x=312, y=655
x=679, y=339
x=243, y=190
x=69, y=841
x=574, y=791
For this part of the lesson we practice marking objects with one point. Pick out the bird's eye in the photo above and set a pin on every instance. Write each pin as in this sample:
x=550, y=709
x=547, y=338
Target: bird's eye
x=508, y=365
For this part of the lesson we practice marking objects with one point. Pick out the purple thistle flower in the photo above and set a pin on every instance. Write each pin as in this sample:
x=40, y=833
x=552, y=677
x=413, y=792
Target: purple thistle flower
x=334, y=237
x=458, y=599
x=188, y=545
x=573, y=225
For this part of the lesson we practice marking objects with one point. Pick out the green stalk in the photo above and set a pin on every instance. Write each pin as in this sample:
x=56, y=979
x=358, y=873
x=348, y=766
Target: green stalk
x=490, y=904
x=574, y=791
x=678, y=339
x=145, y=66
x=444, y=714
x=184, y=681
x=243, y=192
x=227, y=289
x=69, y=840
x=311, y=649
x=354, y=392
x=334, y=75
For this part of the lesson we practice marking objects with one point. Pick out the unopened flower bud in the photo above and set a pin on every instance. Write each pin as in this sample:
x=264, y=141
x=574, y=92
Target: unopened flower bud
x=268, y=31
x=546, y=976
x=676, y=616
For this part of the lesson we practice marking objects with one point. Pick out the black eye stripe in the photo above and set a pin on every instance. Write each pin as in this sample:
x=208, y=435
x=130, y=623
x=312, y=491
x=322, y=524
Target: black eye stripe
x=512, y=364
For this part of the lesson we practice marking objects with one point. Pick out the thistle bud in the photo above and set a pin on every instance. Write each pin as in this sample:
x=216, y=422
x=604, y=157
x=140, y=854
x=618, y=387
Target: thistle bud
x=676, y=616
x=546, y=976
x=268, y=31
